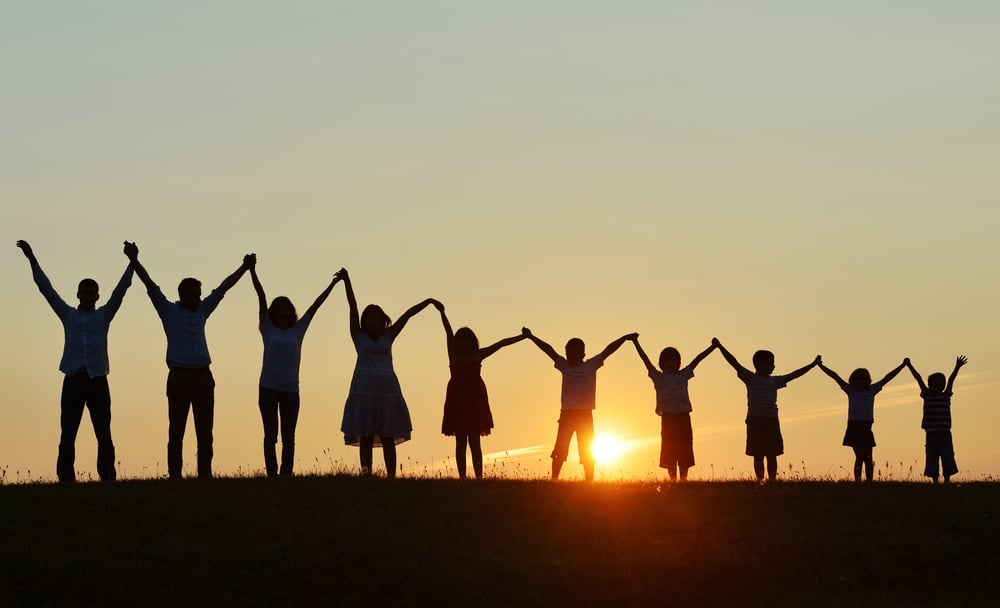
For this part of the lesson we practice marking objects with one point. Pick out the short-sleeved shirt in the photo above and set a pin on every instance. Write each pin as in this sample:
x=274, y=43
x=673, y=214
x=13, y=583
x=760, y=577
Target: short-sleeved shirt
x=861, y=402
x=762, y=393
x=282, y=353
x=185, y=329
x=672, y=390
x=579, y=383
x=937, y=411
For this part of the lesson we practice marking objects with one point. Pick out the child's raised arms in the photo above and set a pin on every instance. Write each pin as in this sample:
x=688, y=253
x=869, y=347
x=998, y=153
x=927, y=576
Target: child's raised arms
x=616, y=344
x=959, y=362
x=802, y=370
x=542, y=345
x=729, y=356
x=916, y=374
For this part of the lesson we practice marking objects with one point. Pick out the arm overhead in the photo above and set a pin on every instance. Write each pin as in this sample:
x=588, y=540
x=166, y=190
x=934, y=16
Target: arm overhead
x=802, y=370
x=131, y=251
x=728, y=356
x=352, y=302
x=836, y=377
x=959, y=362
x=545, y=347
x=611, y=348
x=892, y=373
x=916, y=375
x=58, y=305
x=248, y=260
x=643, y=356
x=700, y=356
x=118, y=293
x=410, y=312
x=449, y=334
x=493, y=348
x=311, y=311
x=259, y=289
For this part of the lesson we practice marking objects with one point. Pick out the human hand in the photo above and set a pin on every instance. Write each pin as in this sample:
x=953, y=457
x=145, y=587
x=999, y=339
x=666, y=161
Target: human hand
x=632, y=336
x=131, y=250
x=960, y=361
x=438, y=305
x=342, y=274
x=250, y=260
x=526, y=332
x=26, y=249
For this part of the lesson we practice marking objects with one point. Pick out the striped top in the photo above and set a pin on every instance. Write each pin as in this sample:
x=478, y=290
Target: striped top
x=762, y=393
x=937, y=411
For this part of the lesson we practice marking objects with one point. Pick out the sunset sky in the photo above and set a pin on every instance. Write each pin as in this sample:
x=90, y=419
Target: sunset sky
x=809, y=178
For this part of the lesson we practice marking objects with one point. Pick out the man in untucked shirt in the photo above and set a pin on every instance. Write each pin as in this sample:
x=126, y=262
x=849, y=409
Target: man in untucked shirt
x=190, y=385
x=85, y=365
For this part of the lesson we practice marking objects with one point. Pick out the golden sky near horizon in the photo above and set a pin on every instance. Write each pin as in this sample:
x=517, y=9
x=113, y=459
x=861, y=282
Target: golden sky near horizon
x=806, y=179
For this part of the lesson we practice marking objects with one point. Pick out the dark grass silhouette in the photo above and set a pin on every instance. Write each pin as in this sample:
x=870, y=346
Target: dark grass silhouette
x=347, y=541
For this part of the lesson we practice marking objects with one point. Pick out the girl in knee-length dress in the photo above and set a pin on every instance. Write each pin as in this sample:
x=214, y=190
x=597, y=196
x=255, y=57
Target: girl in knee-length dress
x=467, y=413
x=375, y=412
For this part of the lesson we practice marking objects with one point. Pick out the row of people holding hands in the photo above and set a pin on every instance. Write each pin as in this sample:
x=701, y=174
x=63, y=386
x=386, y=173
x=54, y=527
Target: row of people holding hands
x=375, y=411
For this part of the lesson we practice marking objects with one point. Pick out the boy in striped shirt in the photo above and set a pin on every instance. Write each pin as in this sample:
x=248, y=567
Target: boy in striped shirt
x=763, y=431
x=936, y=421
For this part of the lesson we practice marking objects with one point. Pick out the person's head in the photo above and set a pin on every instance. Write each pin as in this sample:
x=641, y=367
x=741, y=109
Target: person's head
x=88, y=293
x=763, y=362
x=465, y=341
x=282, y=312
x=670, y=359
x=189, y=293
x=374, y=321
x=936, y=382
x=575, y=351
x=860, y=378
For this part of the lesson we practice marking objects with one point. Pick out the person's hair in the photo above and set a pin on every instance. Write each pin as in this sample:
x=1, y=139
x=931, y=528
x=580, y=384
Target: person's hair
x=670, y=354
x=465, y=334
x=860, y=378
x=281, y=300
x=761, y=357
x=187, y=284
x=575, y=343
x=936, y=381
x=375, y=309
x=87, y=283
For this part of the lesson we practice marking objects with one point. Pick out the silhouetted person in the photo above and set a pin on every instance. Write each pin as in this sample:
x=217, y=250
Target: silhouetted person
x=936, y=420
x=375, y=412
x=278, y=393
x=579, y=392
x=85, y=365
x=764, y=439
x=861, y=414
x=467, y=413
x=190, y=385
x=673, y=406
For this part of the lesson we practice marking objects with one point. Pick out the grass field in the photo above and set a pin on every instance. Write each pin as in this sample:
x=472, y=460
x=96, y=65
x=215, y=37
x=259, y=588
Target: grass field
x=348, y=541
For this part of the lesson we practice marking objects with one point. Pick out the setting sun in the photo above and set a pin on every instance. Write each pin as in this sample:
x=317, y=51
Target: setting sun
x=607, y=448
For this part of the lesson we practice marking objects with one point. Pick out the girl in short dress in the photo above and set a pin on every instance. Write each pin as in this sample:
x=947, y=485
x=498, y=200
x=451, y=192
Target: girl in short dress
x=861, y=414
x=375, y=412
x=467, y=413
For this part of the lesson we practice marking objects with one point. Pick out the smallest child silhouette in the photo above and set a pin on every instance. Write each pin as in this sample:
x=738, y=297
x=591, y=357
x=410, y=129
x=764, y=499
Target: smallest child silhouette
x=936, y=421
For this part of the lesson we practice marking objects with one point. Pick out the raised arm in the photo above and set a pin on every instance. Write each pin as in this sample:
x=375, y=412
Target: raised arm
x=545, y=347
x=700, y=356
x=802, y=370
x=227, y=283
x=916, y=374
x=131, y=251
x=311, y=311
x=836, y=377
x=611, y=348
x=959, y=362
x=58, y=305
x=643, y=356
x=410, y=312
x=118, y=293
x=352, y=302
x=449, y=333
x=728, y=356
x=259, y=288
x=892, y=374
x=493, y=348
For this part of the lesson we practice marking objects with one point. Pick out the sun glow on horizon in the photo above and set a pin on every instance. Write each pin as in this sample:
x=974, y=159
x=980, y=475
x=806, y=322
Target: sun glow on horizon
x=607, y=448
